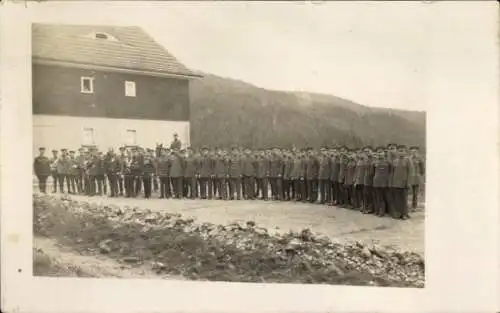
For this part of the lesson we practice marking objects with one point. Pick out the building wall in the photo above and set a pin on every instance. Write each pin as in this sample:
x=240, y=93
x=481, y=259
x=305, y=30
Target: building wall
x=57, y=132
x=57, y=91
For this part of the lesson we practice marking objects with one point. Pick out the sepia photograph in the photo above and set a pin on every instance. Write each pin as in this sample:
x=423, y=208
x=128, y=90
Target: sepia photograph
x=255, y=154
x=147, y=164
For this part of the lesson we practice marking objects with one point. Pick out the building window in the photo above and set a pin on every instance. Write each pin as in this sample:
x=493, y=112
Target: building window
x=87, y=85
x=88, y=137
x=131, y=137
x=129, y=89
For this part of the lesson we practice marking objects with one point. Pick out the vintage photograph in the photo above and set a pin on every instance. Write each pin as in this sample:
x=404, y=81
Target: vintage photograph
x=241, y=147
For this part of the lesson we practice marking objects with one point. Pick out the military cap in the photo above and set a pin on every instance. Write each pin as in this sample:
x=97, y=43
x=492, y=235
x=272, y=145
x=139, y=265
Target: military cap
x=64, y=150
x=80, y=149
x=204, y=148
x=368, y=148
x=392, y=145
x=414, y=148
x=401, y=147
x=380, y=149
x=41, y=148
x=72, y=151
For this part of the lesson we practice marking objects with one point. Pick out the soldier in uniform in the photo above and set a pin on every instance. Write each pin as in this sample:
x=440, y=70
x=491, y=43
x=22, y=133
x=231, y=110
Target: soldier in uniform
x=343, y=161
x=381, y=176
x=113, y=172
x=148, y=172
x=176, y=143
x=190, y=173
x=349, y=179
x=128, y=176
x=248, y=172
x=121, y=159
x=297, y=175
x=311, y=176
x=276, y=175
x=418, y=173
x=334, y=176
x=262, y=175
x=74, y=172
x=220, y=171
x=368, y=193
x=41, y=166
x=401, y=182
x=235, y=174
x=176, y=173
x=359, y=179
x=136, y=171
x=324, y=174
x=80, y=163
x=205, y=173
x=53, y=172
x=163, y=169
x=287, y=176
x=63, y=170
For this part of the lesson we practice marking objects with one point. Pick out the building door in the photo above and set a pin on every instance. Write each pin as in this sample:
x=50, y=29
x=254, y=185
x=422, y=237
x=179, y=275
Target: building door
x=131, y=139
x=88, y=137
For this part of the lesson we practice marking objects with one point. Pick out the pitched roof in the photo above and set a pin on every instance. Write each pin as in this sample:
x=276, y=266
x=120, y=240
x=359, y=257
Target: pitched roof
x=127, y=47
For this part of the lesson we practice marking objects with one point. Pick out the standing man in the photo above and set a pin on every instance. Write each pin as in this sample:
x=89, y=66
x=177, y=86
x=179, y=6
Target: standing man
x=368, y=193
x=297, y=176
x=53, y=170
x=418, y=172
x=41, y=166
x=359, y=179
x=63, y=171
x=163, y=170
x=287, y=176
x=400, y=183
x=235, y=174
x=324, y=174
x=381, y=176
x=248, y=171
x=205, y=174
x=176, y=173
x=176, y=143
x=276, y=175
x=334, y=176
x=74, y=172
x=220, y=176
x=148, y=171
x=262, y=175
x=190, y=172
x=311, y=176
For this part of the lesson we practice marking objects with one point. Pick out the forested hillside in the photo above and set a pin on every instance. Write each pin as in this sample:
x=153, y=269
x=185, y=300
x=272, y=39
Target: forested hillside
x=225, y=111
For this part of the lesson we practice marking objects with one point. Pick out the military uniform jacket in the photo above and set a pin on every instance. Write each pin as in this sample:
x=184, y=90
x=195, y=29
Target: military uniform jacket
x=359, y=173
x=312, y=168
x=114, y=166
x=418, y=171
x=176, y=144
x=41, y=166
x=235, y=167
x=249, y=166
x=263, y=166
x=93, y=166
x=64, y=166
x=276, y=167
x=220, y=167
x=401, y=173
x=53, y=164
x=192, y=166
x=298, y=168
x=176, y=166
x=335, y=169
x=148, y=167
x=382, y=173
x=74, y=167
x=350, y=171
x=342, y=169
x=163, y=166
x=287, y=168
x=206, y=167
x=369, y=172
x=324, y=168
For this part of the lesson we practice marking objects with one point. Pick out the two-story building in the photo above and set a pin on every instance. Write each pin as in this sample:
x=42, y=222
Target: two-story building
x=106, y=86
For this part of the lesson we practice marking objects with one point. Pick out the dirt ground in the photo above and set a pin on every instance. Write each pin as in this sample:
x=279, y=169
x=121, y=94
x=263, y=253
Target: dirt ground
x=337, y=223
x=54, y=259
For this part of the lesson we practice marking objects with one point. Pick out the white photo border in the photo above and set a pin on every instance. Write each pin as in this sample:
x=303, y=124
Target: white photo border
x=462, y=237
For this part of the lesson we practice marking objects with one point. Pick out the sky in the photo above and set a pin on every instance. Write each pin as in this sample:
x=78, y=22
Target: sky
x=374, y=53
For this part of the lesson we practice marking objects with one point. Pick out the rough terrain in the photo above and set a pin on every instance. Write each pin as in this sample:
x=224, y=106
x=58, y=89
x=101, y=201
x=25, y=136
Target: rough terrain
x=155, y=240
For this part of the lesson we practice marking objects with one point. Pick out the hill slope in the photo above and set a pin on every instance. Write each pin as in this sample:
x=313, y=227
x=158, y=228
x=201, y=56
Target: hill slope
x=226, y=111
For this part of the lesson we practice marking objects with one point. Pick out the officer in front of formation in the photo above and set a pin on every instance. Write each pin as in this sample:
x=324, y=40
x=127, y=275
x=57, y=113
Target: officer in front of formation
x=42, y=169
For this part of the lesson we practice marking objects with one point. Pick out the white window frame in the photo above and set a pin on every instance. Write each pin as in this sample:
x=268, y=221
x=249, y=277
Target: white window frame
x=91, y=80
x=92, y=137
x=132, y=132
x=130, y=89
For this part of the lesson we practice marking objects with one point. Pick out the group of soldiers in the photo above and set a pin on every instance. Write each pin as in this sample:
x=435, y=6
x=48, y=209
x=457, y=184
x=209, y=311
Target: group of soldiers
x=370, y=180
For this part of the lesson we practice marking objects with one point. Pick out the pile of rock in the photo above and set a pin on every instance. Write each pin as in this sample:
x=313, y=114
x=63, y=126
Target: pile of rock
x=240, y=251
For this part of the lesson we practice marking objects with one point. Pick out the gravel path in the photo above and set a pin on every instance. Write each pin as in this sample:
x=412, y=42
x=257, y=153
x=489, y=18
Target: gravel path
x=337, y=223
